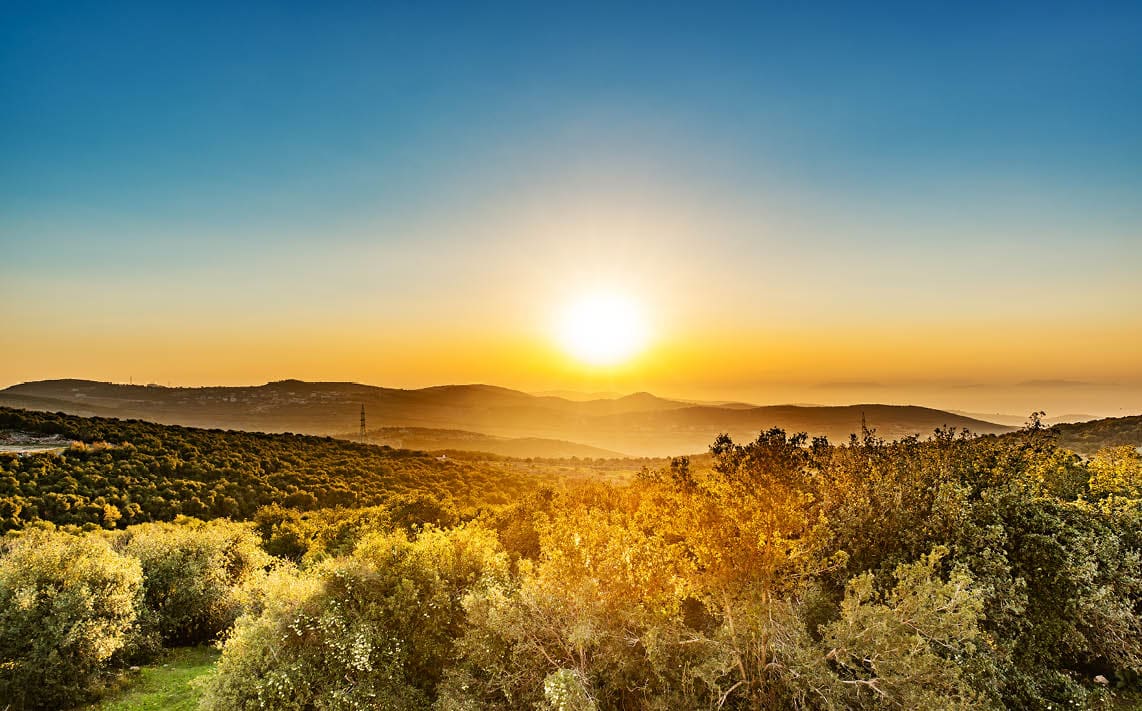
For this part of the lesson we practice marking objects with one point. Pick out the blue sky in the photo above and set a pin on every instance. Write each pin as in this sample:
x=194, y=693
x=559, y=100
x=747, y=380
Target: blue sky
x=158, y=108
x=305, y=157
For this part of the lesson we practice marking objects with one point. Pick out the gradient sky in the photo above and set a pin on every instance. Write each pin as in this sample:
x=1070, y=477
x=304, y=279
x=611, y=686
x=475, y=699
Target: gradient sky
x=898, y=203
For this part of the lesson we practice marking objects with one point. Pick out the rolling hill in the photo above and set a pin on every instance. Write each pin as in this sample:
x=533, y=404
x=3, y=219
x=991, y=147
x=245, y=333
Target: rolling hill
x=641, y=424
x=1086, y=438
x=435, y=440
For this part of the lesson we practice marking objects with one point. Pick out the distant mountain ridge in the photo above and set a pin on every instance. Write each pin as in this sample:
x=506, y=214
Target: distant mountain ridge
x=639, y=424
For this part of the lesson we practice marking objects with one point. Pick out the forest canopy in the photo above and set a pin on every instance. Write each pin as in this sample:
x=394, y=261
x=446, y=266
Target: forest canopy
x=121, y=472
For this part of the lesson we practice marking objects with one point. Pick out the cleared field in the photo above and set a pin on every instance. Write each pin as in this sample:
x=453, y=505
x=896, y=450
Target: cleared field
x=15, y=442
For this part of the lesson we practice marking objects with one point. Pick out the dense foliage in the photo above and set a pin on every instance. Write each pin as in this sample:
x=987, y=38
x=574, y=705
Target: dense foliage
x=125, y=472
x=370, y=631
x=952, y=572
x=193, y=577
x=67, y=605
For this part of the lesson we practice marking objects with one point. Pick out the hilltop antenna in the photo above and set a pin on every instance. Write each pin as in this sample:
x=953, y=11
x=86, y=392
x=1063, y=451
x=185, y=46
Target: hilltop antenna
x=362, y=422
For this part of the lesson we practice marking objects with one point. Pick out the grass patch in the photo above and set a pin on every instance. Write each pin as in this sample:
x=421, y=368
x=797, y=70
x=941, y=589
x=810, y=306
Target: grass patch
x=163, y=685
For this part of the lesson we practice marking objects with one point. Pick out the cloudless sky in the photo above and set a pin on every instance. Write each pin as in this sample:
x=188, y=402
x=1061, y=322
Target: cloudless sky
x=817, y=202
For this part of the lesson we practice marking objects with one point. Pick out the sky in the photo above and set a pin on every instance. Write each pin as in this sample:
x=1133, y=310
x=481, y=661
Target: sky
x=931, y=203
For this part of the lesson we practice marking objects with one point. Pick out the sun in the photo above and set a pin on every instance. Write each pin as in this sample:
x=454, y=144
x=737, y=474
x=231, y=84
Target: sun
x=603, y=328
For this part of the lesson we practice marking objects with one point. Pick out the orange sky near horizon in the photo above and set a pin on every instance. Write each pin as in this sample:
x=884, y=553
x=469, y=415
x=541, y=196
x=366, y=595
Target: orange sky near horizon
x=1087, y=370
x=762, y=314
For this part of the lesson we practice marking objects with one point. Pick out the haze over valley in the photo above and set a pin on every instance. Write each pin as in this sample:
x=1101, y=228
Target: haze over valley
x=448, y=417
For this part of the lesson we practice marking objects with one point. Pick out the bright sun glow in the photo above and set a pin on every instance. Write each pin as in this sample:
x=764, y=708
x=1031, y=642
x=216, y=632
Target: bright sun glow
x=603, y=329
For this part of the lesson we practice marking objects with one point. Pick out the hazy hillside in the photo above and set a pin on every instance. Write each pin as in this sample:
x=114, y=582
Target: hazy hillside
x=1086, y=438
x=431, y=440
x=640, y=424
x=686, y=428
x=1020, y=420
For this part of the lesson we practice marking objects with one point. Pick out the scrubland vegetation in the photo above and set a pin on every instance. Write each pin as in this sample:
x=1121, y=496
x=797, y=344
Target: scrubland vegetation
x=119, y=473
x=953, y=572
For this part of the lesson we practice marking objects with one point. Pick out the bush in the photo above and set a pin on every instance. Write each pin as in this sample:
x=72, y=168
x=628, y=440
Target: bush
x=910, y=647
x=371, y=631
x=67, y=604
x=193, y=573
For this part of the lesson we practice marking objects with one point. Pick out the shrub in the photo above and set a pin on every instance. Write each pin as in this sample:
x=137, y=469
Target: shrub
x=192, y=575
x=371, y=631
x=565, y=690
x=908, y=648
x=67, y=604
